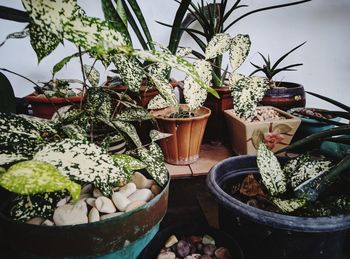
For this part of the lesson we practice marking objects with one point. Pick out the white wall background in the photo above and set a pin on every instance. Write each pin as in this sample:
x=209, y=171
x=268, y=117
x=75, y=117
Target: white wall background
x=324, y=24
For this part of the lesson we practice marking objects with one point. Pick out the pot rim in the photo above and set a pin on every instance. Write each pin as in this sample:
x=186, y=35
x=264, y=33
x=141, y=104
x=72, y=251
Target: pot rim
x=92, y=224
x=287, y=222
x=43, y=99
x=159, y=116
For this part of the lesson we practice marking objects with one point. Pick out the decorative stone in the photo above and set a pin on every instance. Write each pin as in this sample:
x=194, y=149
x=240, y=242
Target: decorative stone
x=104, y=205
x=84, y=196
x=36, y=221
x=135, y=204
x=80, y=204
x=166, y=255
x=155, y=189
x=209, y=249
x=195, y=239
x=88, y=188
x=141, y=195
x=222, y=253
x=120, y=201
x=141, y=181
x=112, y=215
x=182, y=248
x=61, y=202
x=96, y=193
x=70, y=214
x=208, y=240
x=171, y=241
x=90, y=201
x=94, y=215
x=48, y=222
x=127, y=189
x=205, y=257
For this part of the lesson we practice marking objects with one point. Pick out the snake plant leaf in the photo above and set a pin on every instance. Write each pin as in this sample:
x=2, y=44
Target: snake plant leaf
x=6, y=159
x=130, y=71
x=18, y=136
x=83, y=163
x=16, y=35
x=158, y=102
x=218, y=45
x=134, y=114
x=39, y=205
x=156, y=135
x=92, y=75
x=155, y=163
x=271, y=172
x=307, y=170
x=194, y=94
x=175, y=62
x=288, y=206
x=129, y=130
x=32, y=177
x=128, y=163
x=239, y=50
x=247, y=92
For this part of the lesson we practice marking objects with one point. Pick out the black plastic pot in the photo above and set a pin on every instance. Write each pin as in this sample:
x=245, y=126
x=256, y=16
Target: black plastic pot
x=185, y=230
x=264, y=234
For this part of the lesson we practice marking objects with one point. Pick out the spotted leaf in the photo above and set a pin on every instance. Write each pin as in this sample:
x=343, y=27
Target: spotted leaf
x=288, y=206
x=239, y=50
x=158, y=102
x=218, y=45
x=127, y=162
x=133, y=114
x=92, y=75
x=156, y=135
x=129, y=130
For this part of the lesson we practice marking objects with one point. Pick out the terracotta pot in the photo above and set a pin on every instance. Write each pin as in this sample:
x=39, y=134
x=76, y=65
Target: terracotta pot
x=286, y=96
x=216, y=129
x=183, y=146
x=44, y=108
x=245, y=136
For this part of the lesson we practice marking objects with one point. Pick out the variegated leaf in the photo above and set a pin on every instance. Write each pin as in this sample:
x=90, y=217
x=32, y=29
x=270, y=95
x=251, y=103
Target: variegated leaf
x=270, y=169
x=99, y=102
x=129, y=130
x=38, y=205
x=293, y=164
x=158, y=102
x=18, y=136
x=195, y=95
x=6, y=159
x=233, y=79
x=92, y=75
x=134, y=114
x=308, y=170
x=239, y=50
x=156, y=135
x=247, y=92
x=130, y=71
x=289, y=206
x=32, y=177
x=85, y=163
x=182, y=52
x=218, y=45
x=155, y=165
x=74, y=132
x=127, y=162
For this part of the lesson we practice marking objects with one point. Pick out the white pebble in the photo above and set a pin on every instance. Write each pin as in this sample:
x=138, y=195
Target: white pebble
x=128, y=189
x=120, y=201
x=141, y=195
x=104, y=205
x=134, y=205
x=94, y=215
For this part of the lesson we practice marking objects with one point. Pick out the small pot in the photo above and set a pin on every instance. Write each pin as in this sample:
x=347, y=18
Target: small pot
x=245, y=136
x=269, y=235
x=43, y=107
x=216, y=129
x=285, y=96
x=182, y=148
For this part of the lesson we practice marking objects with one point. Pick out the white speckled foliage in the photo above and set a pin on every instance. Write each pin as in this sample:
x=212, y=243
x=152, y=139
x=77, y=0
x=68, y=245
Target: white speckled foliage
x=156, y=135
x=158, y=102
x=218, y=45
x=182, y=52
x=84, y=163
x=288, y=206
x=194, y=94
x=133, y=114
x=92, y=75
x=247, y=92
x=128, y=163
x=32, y=177
x=239, y=50
x=271, y=172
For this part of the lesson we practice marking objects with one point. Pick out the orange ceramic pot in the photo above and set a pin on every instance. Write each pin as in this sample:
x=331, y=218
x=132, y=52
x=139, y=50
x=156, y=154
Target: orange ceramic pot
x=44, y=107
x=183, y=146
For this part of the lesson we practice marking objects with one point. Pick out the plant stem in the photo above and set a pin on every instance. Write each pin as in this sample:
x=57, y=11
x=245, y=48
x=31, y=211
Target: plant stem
x=84, y=78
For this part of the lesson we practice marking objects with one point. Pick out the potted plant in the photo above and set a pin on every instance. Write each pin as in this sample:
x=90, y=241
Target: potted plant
x=213, y=19
x=285, y=208
x=185, y=122
x=57, y=155
x=247, y=123
x=283, y=95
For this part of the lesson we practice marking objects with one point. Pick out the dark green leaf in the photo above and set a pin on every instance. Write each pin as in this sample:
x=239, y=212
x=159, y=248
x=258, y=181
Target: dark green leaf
x=7, y=96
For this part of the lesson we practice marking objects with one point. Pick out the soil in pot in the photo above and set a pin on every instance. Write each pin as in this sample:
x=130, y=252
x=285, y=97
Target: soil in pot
x=285, y=96
x=266, y=234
